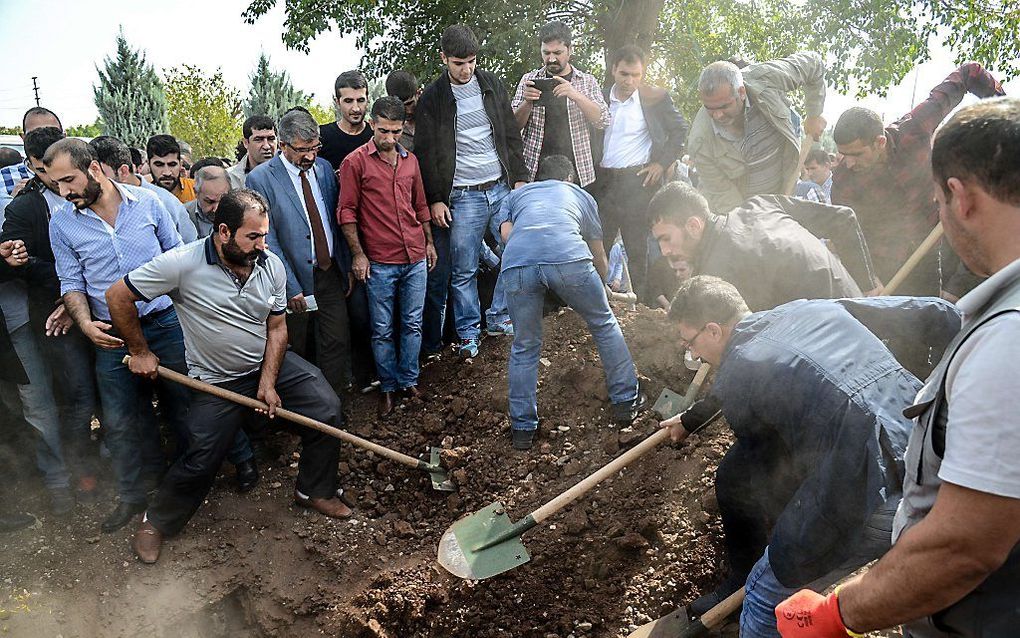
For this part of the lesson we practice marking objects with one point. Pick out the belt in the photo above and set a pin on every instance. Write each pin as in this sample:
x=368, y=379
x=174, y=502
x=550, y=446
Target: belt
x=630, y=170
x=477, y=187
x=153, y=316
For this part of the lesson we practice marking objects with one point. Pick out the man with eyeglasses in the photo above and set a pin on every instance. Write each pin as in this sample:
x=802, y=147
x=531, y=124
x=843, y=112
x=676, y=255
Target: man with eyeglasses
x=813, y=392
x=259, y=140
x=302, y=192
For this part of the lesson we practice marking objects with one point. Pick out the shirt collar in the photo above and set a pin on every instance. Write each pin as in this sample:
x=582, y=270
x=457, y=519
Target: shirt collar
x=634, y=97
x=293, y=169
x=213, y=258
x=374, y=150
x=978, y=298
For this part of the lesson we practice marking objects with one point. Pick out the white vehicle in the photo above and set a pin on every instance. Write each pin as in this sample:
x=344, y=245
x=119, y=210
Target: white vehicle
x=13, y=141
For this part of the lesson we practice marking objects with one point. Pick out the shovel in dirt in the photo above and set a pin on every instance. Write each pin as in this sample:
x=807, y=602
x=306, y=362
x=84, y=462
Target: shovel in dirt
x=677, y=625
x=440, y=480
x=487, y=543
x=670, y=403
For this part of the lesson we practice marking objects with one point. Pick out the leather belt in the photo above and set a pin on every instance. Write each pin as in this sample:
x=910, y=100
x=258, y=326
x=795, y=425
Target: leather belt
x=477, y=187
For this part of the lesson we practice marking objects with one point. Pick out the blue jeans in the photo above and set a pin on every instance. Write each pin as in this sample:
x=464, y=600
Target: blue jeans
x=132, y=432
x=401, y=285
x=764, y=591
x=434, y=314
x=579, y=286
x=40, y=408
x=473, y=212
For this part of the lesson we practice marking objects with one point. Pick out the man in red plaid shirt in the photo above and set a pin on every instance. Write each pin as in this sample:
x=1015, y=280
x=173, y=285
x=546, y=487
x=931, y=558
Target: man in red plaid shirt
x=577, y=105
x=885, y=176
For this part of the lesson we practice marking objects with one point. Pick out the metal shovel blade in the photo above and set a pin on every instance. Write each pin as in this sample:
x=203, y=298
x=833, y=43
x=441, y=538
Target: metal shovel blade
x=458, y=552
x=669, y=626
x=440, y=479
x=669, y=404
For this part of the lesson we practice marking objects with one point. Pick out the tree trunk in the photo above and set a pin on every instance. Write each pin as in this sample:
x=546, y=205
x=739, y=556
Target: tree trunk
x=629, y=22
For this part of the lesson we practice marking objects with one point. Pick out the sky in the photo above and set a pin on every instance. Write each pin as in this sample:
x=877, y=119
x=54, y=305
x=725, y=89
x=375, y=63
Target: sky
x=211, y=34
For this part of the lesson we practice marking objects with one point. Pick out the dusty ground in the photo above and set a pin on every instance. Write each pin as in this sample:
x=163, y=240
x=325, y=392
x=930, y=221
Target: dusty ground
x=255, y=565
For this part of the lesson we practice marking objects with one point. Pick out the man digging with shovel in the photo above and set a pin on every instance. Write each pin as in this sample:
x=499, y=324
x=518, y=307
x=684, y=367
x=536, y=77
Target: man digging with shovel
x=230, y=295
x=809, y=488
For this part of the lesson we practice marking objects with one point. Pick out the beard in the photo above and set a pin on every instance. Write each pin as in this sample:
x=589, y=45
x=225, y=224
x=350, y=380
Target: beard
x=555, y=68
x=89, y=196
x=233, y=254
x=168, y=182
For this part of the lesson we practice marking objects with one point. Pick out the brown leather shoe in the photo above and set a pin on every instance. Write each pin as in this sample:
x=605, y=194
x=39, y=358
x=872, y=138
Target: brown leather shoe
x=332, y=507
x=385, y=403
x=413, y=392
x=146, y=543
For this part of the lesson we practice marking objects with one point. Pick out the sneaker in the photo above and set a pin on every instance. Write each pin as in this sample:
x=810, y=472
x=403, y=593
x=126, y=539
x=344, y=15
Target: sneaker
x=371, y=387
x=523, y=439
x=625, y=413
x=502, y=328
x=468, y=348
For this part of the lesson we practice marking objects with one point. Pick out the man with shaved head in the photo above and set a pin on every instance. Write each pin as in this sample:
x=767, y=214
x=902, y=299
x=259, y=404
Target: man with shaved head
x=211, y=184
x=15, y=176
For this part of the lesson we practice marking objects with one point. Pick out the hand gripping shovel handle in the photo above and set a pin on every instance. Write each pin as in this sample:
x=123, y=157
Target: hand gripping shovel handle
x=908, y=266
x=294, y=417
x=620, y=462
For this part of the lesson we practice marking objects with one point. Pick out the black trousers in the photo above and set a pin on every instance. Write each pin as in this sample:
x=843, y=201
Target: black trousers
x=323, y=336
x=214, y=422
x=623, y=207
x=753, y=484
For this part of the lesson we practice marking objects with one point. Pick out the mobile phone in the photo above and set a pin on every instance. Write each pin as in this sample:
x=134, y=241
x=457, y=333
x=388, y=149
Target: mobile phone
x=546, y=86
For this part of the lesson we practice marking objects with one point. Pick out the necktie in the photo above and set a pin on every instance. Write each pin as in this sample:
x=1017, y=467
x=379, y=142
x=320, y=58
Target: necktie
x=315, y=221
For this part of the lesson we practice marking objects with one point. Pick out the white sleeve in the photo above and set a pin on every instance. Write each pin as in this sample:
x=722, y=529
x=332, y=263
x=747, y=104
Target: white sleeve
x=983, y=433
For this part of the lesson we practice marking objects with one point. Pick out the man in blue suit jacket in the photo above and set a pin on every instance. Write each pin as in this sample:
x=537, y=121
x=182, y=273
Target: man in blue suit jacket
x=302, y=191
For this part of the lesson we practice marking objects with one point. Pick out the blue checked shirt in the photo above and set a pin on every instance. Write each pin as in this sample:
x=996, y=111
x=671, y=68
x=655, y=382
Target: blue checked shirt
x=91, y=256
x=13, y=174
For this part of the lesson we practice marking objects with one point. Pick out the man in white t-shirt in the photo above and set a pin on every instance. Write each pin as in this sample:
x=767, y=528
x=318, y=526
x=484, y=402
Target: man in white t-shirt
x=954, y=569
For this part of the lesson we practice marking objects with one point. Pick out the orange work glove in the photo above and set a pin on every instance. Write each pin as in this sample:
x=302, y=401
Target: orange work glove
x=807, y=614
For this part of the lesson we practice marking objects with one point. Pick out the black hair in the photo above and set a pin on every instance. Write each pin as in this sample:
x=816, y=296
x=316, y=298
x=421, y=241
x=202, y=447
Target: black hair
x=817, y=155
x=389, y=108
x=555, y=167
x=233, y=206
x=553, y=31
x=401, y=84
x=39, y=110
x=38, y=141
x=136, y=156
x=9, y=157
x=350, y=80
x=704, y=299
x=981, y=143
x=260, y=122
x=160, y=145
x=458, y=41
x=112, y=152
x=675, y=203
x=79, y=151
x=857, y=123
x=630, y=53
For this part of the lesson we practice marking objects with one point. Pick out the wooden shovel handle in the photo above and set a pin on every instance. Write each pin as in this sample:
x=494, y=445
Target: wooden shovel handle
x=294, y=417
x=908, y=266
x=717, y=615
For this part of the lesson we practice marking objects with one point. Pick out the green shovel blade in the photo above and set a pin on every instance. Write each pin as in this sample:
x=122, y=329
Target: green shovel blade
x=440, y=479
x=458, y=549
x=669, y=404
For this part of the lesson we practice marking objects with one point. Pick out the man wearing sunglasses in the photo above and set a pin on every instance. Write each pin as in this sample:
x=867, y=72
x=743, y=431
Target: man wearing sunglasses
x=302, y=192
x=813, y=392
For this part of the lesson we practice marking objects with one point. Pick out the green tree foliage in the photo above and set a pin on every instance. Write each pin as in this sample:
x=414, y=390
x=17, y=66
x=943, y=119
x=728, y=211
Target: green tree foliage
x=204, y=111
x=322, y=114
x=130, y=97
x=10, y=130
x=869, y=45
x=272, y=92
x=94, y=129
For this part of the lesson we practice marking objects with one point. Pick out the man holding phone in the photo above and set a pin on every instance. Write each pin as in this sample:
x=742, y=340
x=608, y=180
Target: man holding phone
x=557, y=105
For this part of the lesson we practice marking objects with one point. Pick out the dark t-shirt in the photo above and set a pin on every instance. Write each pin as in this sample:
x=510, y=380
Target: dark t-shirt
x=556, y=136
x=336, y=145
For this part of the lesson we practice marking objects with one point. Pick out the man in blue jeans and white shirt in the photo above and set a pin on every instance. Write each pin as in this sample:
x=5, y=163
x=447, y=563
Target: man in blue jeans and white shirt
x=470, y=150
x=385, y=219
x=554, y=242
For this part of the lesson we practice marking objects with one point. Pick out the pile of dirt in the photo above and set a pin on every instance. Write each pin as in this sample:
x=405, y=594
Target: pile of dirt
x=254, y=565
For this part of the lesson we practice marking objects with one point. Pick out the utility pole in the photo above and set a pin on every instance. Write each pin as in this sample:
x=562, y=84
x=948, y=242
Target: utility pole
x=35, y=87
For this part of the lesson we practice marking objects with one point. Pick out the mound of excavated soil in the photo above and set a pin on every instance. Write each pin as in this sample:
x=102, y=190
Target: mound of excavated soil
x=254, y=565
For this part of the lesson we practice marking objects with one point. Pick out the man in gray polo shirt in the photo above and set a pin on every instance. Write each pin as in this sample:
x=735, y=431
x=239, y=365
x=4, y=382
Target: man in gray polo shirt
x=230, y=295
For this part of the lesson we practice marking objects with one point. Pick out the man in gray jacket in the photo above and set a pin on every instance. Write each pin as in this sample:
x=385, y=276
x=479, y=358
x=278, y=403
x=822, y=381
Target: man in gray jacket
x=746, y=139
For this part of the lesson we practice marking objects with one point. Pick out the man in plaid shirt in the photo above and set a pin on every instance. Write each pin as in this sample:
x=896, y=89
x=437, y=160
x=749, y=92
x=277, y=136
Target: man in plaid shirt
x=885, y=176
x=563, y=127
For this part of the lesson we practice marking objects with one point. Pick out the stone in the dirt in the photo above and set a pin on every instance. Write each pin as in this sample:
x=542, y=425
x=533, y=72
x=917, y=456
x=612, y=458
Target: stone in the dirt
x=631, y=541
x=344, y=468
x=451, y=459
x=575, y=522
x=459, y=406
x=612, y=444
x=460, y=477
x=630, y=436
x=349, y=497
x=432, y=424
x=403, y=529
x=380, y=538
x=572, y=468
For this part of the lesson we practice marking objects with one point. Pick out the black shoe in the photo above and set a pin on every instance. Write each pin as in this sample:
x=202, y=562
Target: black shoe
x=61, y=501
x=523, y=439
x=122, y=516
x=702, y=605
x=625, y=413
x=246, y=473
x=14, y=522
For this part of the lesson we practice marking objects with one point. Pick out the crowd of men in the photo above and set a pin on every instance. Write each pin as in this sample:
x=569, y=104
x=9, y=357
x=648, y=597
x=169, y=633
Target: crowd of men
x=335, y=258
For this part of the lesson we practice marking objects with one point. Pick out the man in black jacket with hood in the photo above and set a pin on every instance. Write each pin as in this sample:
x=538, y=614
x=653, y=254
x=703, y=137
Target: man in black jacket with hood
x=470, y=152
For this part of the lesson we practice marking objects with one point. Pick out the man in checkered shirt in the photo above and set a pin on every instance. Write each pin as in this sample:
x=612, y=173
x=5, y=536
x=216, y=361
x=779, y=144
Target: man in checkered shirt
x=564, y=127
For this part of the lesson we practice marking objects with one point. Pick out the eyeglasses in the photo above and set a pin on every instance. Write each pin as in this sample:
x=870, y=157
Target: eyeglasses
x=687, y=343
x=307, y=149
